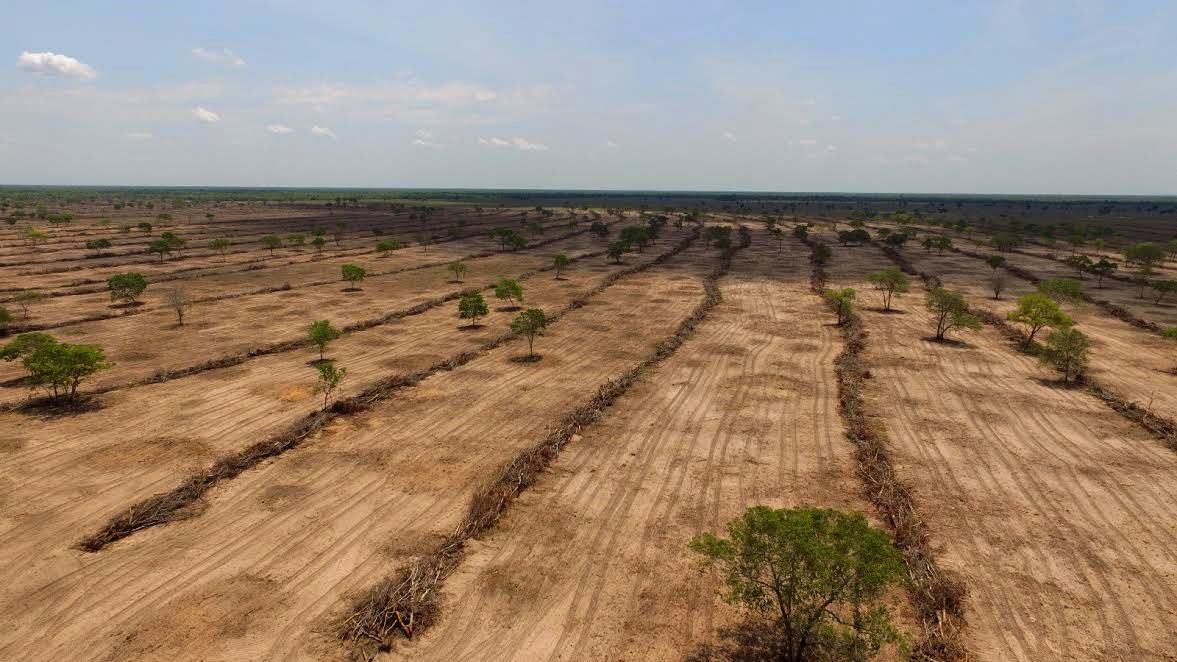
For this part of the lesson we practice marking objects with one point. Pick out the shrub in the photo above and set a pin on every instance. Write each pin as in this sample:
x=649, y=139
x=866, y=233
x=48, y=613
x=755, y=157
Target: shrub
x=321, y=333
x=457, y=268
x=843, y=301
x=97, y=245
x=56, y=366
x=530, y=323
x=126, y=287
x=510, y=291
x=600, y=229
x=950, y=312
x=1066, y=351
x=616, y=250
x=318, y=242
x=5, y=320
x=995, y=261
x=353, y=274
x=472, y=306
x=560, y=262
x=1038, y=311
x=272, y=242
x=817, y=575
x=144, y=226
x=384, y=247
x=1170, y=334
x=820, y=254
x=220, y=245
x=889, y=282
x=329, y=379
x=1062, y=289
x=296, y=239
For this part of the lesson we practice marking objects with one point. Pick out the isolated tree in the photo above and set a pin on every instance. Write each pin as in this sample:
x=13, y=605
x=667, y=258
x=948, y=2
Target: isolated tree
x=801, y=231
x=353, y=274
x=329, y=379
x=510, y=291
x=889, y=282
x=296, y=239
x=221, y=246
x=942, y=243
x=272, y=242
x=842, y=301
x=1163, y=287
x=1066, y=351
x=504, y=236
x=779, y=235
x=144, y=226
x=897, y=239
x=995, y=261
x=820, y=254
x=318, y=242
x=950, y=311
x=600, y=229
x=560, y=262
x=34, y=237
x=26, y=298
x=819, y=576
x=1038, y=311
x=175, y=243
x=635, y=235
x=126, y=287
x=457, y=268
x=472, y=306
x=616, y=250
x=6, y=318
x=1080, y=263
x=1101, y=269
x=97, y=245
x=321, y=332
x=997, y=283
x=160, y=247
x=530, y=323
x=178, y=299
x=337, y=232
x=56, y=366
x=384, y=247
x=1062, y=289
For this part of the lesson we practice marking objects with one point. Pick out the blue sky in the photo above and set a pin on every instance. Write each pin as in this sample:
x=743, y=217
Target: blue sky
x=973, y=97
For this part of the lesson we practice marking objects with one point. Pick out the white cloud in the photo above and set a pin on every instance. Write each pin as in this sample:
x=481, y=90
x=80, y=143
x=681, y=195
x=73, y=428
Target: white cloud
x=831, y=148
x=224, y=57
x=521, y=144
x=205, y=115
x=323, y=131
x=728, y=136
x=140, y=135
x=835, y=118
x=808, y=142
x=610, y=144
x=54, y=64
x=424, y=138
x=279, y=129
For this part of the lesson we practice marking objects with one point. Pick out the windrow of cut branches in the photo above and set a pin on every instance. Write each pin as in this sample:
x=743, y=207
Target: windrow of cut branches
x=406, y=603
x=937, y=595
x=178, y=502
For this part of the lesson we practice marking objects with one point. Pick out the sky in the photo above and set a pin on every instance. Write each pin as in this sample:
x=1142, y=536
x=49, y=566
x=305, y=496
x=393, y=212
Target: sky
x=958, y=96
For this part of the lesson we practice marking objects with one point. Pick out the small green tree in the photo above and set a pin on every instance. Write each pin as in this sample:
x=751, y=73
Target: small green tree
x=98, y=245
x=25, y=299
x=997, y=283
x=1062, y=289
x=995, y=261
x=384, y=247
x=272, y=242
x=56, y=366
x=296, y=239
x=472, y=306
x=161, y=247
x=510, y=291
x=530, y=323
x=950, y=311
x=221, y=246
x=178, y=299
x=1080, y=263
x=126, y=287
x=318, y=242
x=144, y=227
x=820, y=254
x=942, y=244
x=329, y=379
x=1038, y=311
x=843, y=302
x=818, y=575
x=616, y=250
x=1163, y=287
x=321, y=332
x=457, y=268
x=890, y=282
x=1145, y=255
x=1066, y=351
x=560, y=262
x=1102, y=269
x=5, y=320
x=353, y=274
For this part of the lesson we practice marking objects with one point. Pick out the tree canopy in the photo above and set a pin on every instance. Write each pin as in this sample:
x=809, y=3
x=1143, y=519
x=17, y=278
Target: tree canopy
x=529, y=324
x=126, y=287
x=950, y=311
x=1038, y=311
x=890, y=282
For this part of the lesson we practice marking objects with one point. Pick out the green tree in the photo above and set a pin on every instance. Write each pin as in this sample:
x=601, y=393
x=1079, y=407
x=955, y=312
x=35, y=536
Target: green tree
x=818, y=575
x=34, y=237
x=510, y=291
x=5, y=320
x=1102, y=269
x=1080, y=263
x=1038, y=311
x=97, y=245
x=997, y=283
x=472, y=306
x=995, y=261
x=56, y=366
x=178, y=299
x=318, y=242
x=941, y=244
x=1062, y=289
x=821, y=254
x=530, y=323
x=635, y=235
x=1163, y=287
x=843, y=302
x=600, y=229
x=296, y=239
x=272, y=242
x=126, y=287
x=1066, y=351
x=221, y=246
x=144, y=227
x=1145, y=255
x=890, y=282
x=26, y=298
x=353, y=274
x=384, y=247
x=321, y=332
x=457, y=268
x=329, y=379
x=950, y=311
x=160, y=247
x=560, y=262
x=616, y=250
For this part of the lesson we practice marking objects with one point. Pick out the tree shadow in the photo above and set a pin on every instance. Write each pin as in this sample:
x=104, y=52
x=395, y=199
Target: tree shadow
x=15, y=382
x=560, y=278
x=470, y=327
x=127, y=305
x=1057, y=383
x=948, y=342
x=315, y=363
x=48, y=408
x=351, y=289
x=749, y=641
x=508, y=309
x=454, y=282
x=534, y=358
x=887, y=311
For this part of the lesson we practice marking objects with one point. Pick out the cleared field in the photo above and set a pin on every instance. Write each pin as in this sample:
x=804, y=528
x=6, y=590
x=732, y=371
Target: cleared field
x=1055, y=510
x=352, y=504
x=593, y=563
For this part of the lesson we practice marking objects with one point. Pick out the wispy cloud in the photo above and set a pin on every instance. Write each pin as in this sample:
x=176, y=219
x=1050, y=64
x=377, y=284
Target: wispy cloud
x=279, y=129
x=323, y=131
x=140, y=135
x=224, y=57
x=521, y=144
x=424, y=138
x=610, y=144
x=55, y=64
x=729, y=136
x=205, y=115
